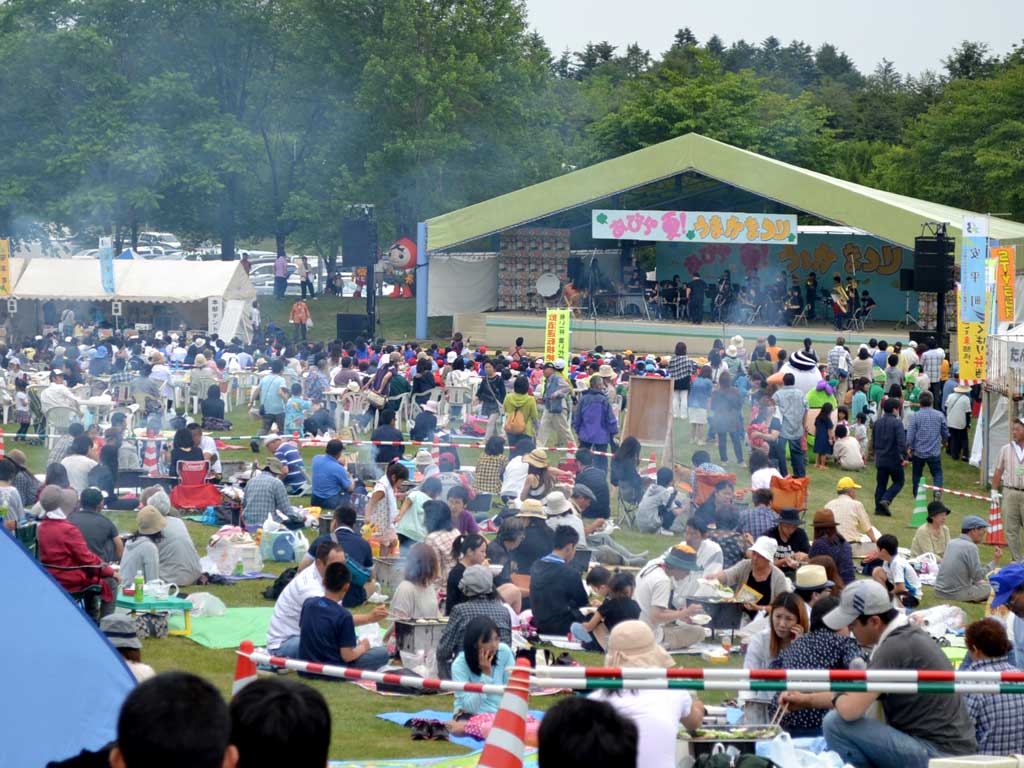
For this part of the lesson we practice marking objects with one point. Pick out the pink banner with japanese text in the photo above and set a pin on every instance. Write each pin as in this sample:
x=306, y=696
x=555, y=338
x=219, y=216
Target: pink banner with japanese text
x=694, y=226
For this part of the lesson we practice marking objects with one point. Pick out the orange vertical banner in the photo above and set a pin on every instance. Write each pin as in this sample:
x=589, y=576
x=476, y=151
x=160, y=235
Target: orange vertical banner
x=1006, y=270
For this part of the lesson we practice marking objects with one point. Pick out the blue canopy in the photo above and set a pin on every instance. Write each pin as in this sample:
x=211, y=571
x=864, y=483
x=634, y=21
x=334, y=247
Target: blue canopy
x=63, y=681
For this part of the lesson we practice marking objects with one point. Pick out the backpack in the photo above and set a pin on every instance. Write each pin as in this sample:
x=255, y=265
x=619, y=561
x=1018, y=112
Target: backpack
x=515, y=422
x=274, y=590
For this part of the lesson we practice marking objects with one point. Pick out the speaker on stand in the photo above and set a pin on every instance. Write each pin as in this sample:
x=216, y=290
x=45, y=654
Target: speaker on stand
x=933, y=270
x=907, y=285
x=359, y=248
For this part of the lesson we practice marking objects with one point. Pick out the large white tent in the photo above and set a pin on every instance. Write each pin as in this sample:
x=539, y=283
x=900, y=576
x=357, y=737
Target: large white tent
x=215, y=295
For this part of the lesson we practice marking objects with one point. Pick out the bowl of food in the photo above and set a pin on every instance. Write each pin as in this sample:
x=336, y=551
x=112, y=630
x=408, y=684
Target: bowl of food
x=496, y=569
x=701, y=618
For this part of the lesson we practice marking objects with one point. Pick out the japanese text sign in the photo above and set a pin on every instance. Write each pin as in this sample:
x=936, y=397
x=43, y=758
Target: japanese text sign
x=693, y=226
x=557, y=330
x=1006, y=269
x=973, y=252
x=5, y=267
x=972, y=343
x=106, y=257
x=1016, y=355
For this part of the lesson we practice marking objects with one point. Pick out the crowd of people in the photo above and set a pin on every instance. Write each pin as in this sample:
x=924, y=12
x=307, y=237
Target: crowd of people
x=523, y=544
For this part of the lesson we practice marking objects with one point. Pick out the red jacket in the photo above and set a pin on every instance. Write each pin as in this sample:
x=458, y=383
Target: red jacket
x=61, y=544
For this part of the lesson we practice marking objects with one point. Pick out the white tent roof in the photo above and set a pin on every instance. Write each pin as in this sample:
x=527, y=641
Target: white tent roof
x=155, y=282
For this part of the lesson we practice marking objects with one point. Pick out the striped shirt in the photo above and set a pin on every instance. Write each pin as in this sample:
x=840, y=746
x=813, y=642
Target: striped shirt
x=1011, y=463
x=289, y=455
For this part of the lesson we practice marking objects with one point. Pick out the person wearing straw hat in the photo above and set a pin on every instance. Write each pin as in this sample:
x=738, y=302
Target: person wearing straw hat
x=961, y=574
x=917, y=726
x=540, y=480
x=812, y=584
x=657, y=714
x=654, y=594
x=537, y=535
x=120, y=630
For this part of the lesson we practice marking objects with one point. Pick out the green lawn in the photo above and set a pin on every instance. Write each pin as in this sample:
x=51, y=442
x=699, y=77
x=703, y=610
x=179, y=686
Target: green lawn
x=358, y=734
x=396, y=317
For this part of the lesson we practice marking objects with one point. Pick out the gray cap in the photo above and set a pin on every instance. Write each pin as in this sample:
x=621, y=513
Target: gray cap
x=582, y=490
x=476, y=581
x=973, y=522
x=120, y=631
x=862, y=598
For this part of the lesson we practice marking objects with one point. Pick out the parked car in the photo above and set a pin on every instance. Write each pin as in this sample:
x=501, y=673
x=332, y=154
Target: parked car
x=163, y=239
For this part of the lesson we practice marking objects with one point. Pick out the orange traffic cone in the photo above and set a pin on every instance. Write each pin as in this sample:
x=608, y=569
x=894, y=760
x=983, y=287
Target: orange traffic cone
x=435, y=453
x=570, y=455
x=995, y=526
x=652, y=466
x=149, y=461
x=504, y=745
x=2, y=449
x=245, y=667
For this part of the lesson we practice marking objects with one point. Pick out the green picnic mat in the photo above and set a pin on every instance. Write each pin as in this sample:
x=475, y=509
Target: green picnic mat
x=229, y=630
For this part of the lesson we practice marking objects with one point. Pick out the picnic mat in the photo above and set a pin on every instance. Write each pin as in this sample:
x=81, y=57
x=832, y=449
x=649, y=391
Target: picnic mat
x=461, y=761
x=229, y=630
x=401, y=718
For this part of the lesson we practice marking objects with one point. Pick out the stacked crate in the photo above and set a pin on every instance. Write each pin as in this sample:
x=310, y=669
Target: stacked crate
x=525, y=255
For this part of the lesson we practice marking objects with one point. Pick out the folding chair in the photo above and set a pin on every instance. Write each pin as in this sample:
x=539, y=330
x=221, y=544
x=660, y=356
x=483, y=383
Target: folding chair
x=625, y=509
x=58, y=419
x=800, y=317
x=193, y=492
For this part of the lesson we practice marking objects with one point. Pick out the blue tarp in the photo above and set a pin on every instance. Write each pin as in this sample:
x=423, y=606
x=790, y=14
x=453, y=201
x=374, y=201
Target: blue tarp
x=63, y=683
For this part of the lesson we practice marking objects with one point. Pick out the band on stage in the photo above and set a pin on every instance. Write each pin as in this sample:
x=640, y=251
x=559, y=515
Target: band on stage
x=780, y=301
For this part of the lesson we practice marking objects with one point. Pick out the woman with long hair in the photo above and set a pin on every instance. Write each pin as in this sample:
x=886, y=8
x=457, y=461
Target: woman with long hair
x=441, y=536
x=467, y=550
x=483, y=659
x=104, y=477
x=787, y=620
x=625, y=472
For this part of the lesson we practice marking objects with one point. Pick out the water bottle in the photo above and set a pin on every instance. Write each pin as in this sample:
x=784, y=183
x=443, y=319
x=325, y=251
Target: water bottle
x=139, y=588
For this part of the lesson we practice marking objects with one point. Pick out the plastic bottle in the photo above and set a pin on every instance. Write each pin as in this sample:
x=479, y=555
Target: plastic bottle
x=140, y=586
x=239, y=567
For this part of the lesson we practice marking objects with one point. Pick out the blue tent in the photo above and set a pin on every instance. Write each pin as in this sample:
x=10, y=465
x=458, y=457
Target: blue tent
x=63, y=681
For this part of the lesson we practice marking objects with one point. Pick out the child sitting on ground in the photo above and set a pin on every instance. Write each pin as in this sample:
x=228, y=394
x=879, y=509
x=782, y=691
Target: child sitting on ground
x=618, y=606
x=846, y=450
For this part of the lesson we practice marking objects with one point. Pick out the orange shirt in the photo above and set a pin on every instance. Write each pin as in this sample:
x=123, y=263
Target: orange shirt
x=300, y=313
x=773, y=353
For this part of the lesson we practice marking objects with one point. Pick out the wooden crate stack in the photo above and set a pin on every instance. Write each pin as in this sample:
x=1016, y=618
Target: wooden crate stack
x=525, y=255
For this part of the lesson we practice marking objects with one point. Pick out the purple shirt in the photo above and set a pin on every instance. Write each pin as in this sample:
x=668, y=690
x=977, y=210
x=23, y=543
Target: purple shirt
x=280, y=267
x=467, y=523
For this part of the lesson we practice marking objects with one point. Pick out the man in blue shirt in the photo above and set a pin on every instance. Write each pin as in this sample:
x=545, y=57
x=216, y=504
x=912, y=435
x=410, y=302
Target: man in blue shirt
x=273, y=392
x=890, y=442
x=330, y=477
x=1008, y=584
x=358, y=555
x=288, y=454
x=327, y=631
x=925, y=438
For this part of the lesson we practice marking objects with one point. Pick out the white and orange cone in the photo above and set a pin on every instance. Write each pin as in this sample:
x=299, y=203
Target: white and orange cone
x=245, y=667
x=2, y=449
x=652, y=466
x=505, y=743
x=149, y=460
x=570, y=455
x=435, y=453
x=995, y=525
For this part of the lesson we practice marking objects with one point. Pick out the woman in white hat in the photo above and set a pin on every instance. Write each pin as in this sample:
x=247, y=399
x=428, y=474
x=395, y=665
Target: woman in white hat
x=758, y=572
x=656, y=714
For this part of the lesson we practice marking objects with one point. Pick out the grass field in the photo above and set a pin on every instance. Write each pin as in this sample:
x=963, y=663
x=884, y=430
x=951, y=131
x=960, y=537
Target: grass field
x=358, y=734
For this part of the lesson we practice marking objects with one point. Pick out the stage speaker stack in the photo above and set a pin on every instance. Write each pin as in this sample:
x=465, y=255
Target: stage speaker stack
x=906, y=279
x=933, y=265
x=359, y=242
x=350, y=327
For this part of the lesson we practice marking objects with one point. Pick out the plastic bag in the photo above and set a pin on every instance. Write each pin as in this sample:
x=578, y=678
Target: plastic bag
x=206, y=604
x=784, y=754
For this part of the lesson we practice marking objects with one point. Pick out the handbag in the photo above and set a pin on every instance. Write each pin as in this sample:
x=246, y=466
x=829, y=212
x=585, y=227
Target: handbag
x=376, y=399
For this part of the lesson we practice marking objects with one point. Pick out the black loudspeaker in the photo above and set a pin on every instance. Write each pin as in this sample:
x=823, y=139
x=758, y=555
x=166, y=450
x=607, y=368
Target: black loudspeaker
x=358, y=242
x=906, y=279
x=349, y=327
x=933, y=265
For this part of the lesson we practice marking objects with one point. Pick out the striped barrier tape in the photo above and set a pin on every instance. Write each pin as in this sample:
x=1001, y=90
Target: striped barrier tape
x=963, y=494
x=806, y=675
x=804, y=686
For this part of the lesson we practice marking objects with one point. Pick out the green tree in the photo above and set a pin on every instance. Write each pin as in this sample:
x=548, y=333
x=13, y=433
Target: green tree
x=971, y=61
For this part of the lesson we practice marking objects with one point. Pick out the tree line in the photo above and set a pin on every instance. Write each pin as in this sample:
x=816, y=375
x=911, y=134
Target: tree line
x=231, y=120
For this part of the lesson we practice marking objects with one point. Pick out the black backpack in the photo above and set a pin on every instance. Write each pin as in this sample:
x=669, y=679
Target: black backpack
x=274, y=590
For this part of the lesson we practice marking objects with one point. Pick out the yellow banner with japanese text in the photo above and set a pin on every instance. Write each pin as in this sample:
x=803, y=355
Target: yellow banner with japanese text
x=972, y=346
x=5, y=267
x=1006, y=268
x=557, y=333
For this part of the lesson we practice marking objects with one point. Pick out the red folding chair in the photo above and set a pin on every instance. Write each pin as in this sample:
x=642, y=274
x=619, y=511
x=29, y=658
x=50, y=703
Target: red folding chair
x=193, y=492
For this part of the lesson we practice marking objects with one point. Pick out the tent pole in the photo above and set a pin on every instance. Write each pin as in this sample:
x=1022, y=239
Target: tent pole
x=421, y=280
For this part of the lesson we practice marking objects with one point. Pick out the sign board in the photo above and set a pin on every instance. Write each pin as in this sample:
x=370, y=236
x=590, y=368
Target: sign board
x=1016, y=355
x=557, y=335
x=5, y=267
x=115, y=308
x=972, y=345
x=693, y=226
x=214, y=313
x=12, y=306
x=1006, y=269
x=973, y=252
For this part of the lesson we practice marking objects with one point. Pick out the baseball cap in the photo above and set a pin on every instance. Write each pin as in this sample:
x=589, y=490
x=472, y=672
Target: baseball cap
x=862, y=598
x=1005, y=581
x=973, y=522
x=846, y=483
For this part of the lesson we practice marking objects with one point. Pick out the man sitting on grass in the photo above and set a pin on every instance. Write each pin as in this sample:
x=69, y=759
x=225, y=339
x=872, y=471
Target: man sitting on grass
x=327, y=632
x=961, y=574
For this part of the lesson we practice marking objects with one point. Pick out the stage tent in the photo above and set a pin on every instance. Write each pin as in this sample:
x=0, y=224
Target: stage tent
x=204, y=292
x=708, y=166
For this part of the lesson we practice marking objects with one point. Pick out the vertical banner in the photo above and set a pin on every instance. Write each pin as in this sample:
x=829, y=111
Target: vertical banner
x=972, y=346
x=106, y=257
x=1006, y=269
x=214, y=314
x=5, y=267
x=973, y=252
x=557, y=333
